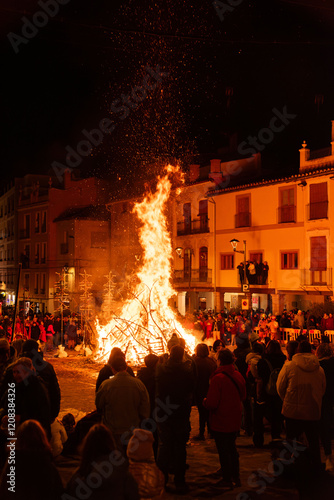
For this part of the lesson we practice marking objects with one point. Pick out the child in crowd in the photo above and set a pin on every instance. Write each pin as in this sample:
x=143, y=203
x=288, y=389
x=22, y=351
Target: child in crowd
x=142, y=465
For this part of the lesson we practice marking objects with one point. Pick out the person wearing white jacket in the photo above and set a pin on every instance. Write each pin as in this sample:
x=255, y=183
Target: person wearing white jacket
x=301, y=385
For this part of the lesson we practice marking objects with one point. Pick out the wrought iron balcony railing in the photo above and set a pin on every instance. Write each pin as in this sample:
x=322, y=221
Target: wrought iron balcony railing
x=318, y=277
x=193, y=276
x=194, y=226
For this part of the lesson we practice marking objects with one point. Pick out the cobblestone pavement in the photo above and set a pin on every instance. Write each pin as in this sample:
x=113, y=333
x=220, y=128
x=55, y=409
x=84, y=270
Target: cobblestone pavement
x=77, y=376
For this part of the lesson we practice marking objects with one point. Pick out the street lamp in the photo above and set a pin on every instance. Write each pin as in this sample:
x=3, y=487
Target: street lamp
x=189, y=252
x=211, y=200
x=234, y=244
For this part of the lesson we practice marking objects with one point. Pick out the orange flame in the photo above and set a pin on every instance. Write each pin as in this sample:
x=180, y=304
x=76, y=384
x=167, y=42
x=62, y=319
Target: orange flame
x=147, y=322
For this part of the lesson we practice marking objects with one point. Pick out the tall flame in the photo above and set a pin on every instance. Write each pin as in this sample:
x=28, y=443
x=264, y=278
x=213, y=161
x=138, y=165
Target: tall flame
x=146, y=321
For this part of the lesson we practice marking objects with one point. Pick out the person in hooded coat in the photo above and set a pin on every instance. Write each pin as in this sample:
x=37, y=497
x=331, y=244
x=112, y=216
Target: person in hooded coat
x=226, y=392
x=301, y=385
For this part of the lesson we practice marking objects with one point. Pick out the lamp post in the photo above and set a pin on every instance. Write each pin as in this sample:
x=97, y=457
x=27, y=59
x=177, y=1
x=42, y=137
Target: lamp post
x=190, y=252
x=245, y=287
x=211, y=200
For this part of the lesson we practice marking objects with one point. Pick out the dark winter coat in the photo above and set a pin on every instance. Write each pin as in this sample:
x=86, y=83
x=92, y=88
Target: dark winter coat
x=175, y=384
x=224, y=399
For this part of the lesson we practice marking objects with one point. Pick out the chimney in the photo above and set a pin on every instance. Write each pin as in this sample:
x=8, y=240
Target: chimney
x=215, y=166
x=193, y=173
x=304, y=156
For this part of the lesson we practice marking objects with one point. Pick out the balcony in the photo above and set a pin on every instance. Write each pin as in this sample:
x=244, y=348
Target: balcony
x=43, y=260
x=318, y=210
x=43, y=228
x=36, y=260
x=286, y=213
x=36, y=291
x=321, y=277
x=42, y=291
x=243, y=219
x=196, y=226
x=24, y=234
x=63, y=248
x=196, y=276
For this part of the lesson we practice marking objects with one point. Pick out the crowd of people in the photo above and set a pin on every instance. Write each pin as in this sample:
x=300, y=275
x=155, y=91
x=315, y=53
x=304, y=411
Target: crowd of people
x=134, y=443
x=46, y=329
x=254, y=273
x=269, y=326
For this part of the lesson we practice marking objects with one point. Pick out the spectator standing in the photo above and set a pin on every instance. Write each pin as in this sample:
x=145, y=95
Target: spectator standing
x=31, y=399
x=71, y=331
x=46, y=372
x=205, y=366
x=123, y=401
x=175, y=385
x=265, y=272
x=299, y=320
x=268, y=401
x=326, y=359
x=301, y=385
x=227, y=390
x=106, y=372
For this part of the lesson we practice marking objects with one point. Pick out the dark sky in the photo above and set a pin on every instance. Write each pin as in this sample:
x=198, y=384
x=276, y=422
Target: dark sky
x=225, y=76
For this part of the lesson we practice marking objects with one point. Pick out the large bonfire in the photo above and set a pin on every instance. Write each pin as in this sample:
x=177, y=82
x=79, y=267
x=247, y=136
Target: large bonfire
x=146, y=321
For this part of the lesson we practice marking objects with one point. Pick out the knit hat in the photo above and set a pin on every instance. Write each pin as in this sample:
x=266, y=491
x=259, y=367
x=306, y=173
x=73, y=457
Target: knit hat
x=140, y=446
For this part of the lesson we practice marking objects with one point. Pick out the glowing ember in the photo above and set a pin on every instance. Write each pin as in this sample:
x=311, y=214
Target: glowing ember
x=147, y=322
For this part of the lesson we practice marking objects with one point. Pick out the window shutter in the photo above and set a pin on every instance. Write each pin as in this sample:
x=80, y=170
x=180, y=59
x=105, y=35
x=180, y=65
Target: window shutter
x=318, y=253
x=203, y=207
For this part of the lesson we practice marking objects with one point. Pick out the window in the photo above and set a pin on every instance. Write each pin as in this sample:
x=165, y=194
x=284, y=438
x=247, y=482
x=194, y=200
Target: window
x=37, y=222
x=289, y=260
x=318, y=260
x=43, y=226
x=287, y=208
x=242, y=218
x=98, y=239
x=187, y=217
x=226, y=261
x=203, y=264
x=318, y=201
x=36, y=283
x=43, y=283
x=203, y=215
x=43, y=255
x=318, y=253
x=27, y=225
x=187, y=256
x=255, y=257
x=37, y=253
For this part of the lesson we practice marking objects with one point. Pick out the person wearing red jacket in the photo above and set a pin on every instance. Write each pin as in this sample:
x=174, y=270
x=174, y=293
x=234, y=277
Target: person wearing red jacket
x=226, y=392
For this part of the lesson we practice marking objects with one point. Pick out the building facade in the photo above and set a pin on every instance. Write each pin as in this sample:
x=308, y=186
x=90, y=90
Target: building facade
x=286, y=223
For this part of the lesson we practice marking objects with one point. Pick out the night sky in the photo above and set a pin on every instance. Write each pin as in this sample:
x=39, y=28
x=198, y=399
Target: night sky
x=222, y=77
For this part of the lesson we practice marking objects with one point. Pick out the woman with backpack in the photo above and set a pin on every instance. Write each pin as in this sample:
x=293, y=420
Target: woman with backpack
x=268, y=402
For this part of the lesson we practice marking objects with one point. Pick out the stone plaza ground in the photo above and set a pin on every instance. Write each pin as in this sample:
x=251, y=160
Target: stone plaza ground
x=261, y=479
